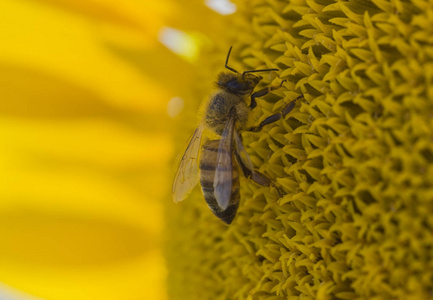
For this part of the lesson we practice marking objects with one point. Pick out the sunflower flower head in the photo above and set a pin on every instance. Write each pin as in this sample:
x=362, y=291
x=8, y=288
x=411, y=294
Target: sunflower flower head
x=354, y=157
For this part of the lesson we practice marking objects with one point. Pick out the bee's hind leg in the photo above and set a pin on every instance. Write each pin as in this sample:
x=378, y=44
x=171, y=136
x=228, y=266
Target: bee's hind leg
x=275, y=117
x=264, y=180
x=257, y=177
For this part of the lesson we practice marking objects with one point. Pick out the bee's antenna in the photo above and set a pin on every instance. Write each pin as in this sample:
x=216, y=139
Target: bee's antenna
x=262, y=70
x=227, y=61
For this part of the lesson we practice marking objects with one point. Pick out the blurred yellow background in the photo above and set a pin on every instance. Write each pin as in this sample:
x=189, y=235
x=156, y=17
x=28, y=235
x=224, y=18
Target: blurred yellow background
x=85, y=142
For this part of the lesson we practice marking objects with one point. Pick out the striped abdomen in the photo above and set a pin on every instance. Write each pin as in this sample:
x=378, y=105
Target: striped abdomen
x=208, y=162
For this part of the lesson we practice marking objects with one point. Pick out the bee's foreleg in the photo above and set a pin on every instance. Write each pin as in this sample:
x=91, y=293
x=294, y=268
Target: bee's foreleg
x=275, y=117
x=263, y=92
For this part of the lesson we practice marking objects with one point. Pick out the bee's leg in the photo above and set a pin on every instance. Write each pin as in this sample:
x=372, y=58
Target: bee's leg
x=275, y=117
x=263, y=92
x=264, y=180
x=256, y=176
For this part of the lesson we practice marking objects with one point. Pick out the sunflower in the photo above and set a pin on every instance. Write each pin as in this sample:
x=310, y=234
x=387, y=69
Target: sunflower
x=354, y=157
x=97, y=97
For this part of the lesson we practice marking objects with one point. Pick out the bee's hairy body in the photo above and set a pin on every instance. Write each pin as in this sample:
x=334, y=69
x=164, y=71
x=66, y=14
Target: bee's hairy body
x=216, y=117
x=207, y=166
x=221, y=159
x=217, y=112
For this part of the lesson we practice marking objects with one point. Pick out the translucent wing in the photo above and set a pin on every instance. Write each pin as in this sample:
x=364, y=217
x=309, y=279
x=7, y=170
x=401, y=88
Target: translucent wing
x=224, y=168
x=186, y=177
x=240, y=149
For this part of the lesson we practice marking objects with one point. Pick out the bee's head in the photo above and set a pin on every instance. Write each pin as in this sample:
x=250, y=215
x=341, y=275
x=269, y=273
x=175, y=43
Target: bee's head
x=238, y=84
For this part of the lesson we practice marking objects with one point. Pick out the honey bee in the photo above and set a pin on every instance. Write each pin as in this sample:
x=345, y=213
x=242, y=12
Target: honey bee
x=221, y=160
